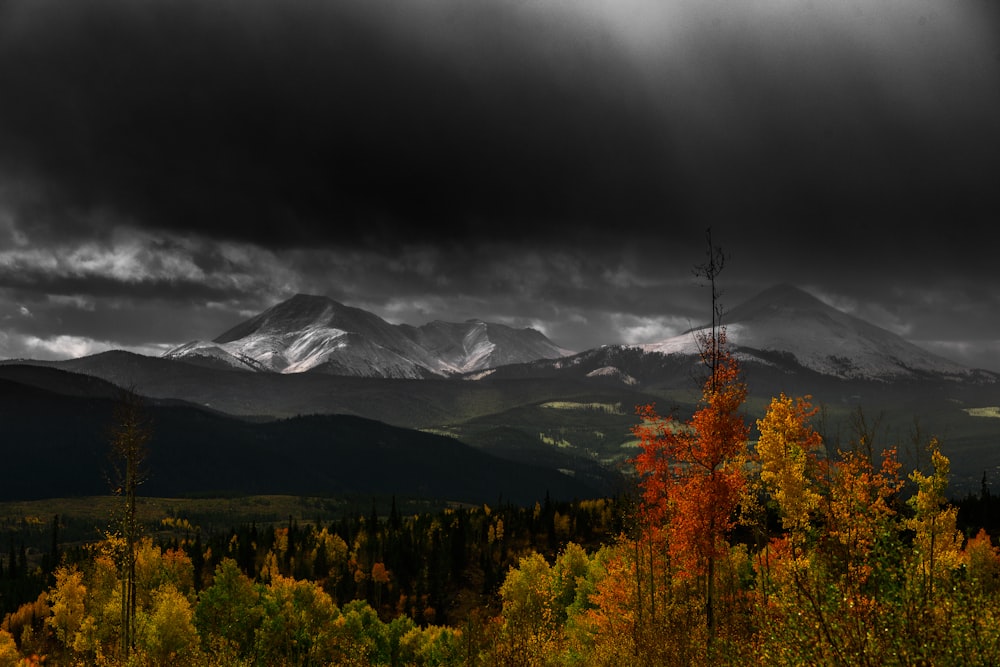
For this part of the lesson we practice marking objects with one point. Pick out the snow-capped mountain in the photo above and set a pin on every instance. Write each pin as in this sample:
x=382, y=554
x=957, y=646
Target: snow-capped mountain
x=790, y=321
x=783, y=329
x=315, y=333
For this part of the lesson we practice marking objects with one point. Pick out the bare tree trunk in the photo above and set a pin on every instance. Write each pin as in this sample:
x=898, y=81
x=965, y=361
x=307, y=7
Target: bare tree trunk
x=711, y=350
x=652, y=586
x=129, y=434
x=637, y=623
x=710, y=270
x=710, y=619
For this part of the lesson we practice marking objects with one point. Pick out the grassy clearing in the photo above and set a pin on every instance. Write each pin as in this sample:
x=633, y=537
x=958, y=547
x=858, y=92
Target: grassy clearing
x=607, y=408
x=992, y=411
x=555, y=441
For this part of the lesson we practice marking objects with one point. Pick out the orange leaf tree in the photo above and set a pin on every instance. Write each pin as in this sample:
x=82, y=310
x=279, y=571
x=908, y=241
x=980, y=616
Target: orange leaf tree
x=691, y=474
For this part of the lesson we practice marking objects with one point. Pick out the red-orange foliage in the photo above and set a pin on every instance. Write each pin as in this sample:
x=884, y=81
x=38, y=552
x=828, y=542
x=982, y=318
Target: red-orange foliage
x=691, y=474
x=380, y=575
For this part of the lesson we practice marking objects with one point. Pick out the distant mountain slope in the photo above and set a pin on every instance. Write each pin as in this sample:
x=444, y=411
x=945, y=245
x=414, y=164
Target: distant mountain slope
x=58, y=381
x=790, y=321
x=55, y=445
x=314, y=333
x=401, y=402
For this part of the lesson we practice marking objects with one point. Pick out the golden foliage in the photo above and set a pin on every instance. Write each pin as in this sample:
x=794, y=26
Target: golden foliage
x=787, y=452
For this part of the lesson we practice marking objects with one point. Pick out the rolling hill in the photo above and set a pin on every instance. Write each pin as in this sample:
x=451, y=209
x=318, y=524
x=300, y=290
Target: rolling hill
x=55, y=445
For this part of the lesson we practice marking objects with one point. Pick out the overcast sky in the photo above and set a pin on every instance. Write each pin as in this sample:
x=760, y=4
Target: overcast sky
x=170, y=168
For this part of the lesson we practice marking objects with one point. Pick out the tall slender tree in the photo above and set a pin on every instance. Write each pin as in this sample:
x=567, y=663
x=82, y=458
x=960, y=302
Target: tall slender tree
x=130, y=432
x=710, y=343
x=692, y=474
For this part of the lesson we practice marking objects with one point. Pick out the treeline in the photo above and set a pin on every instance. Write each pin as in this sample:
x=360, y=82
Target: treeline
x=419, y=573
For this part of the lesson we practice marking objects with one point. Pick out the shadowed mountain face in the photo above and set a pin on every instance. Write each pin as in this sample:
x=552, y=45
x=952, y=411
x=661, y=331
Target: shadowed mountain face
x=56, y=445
x=314, y=333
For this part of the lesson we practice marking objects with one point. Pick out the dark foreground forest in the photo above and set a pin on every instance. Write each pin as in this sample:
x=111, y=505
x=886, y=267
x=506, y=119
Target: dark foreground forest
x=730, y=551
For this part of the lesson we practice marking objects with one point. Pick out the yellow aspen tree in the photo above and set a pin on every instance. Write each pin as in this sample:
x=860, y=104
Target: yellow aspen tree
x=529, y=628
x=937, y=542
x=67, y=599
x=788, y=455
x=167, y=633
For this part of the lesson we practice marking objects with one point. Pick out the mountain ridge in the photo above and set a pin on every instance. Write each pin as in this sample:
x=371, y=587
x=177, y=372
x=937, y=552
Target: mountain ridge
x=310, y=333
x=821, y=338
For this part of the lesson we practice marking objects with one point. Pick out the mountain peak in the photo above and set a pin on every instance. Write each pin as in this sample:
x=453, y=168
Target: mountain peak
x=299, y=311
x=782, y=300
x=308, y=332
x=822, y=338
x=306, y=299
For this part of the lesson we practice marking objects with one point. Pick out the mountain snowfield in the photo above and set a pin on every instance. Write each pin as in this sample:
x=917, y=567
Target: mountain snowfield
x=786, y=319
x=315, y=333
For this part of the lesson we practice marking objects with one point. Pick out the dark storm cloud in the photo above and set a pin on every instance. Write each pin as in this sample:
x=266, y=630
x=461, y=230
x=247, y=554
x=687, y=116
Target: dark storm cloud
x=299, y=122
x=289, y=122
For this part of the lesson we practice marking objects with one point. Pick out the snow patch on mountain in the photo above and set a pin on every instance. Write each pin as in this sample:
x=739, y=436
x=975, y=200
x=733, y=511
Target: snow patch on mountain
x=613, y=372
x=476, y=349
x=205, y=350
x=313, y=347
x=685, y=344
